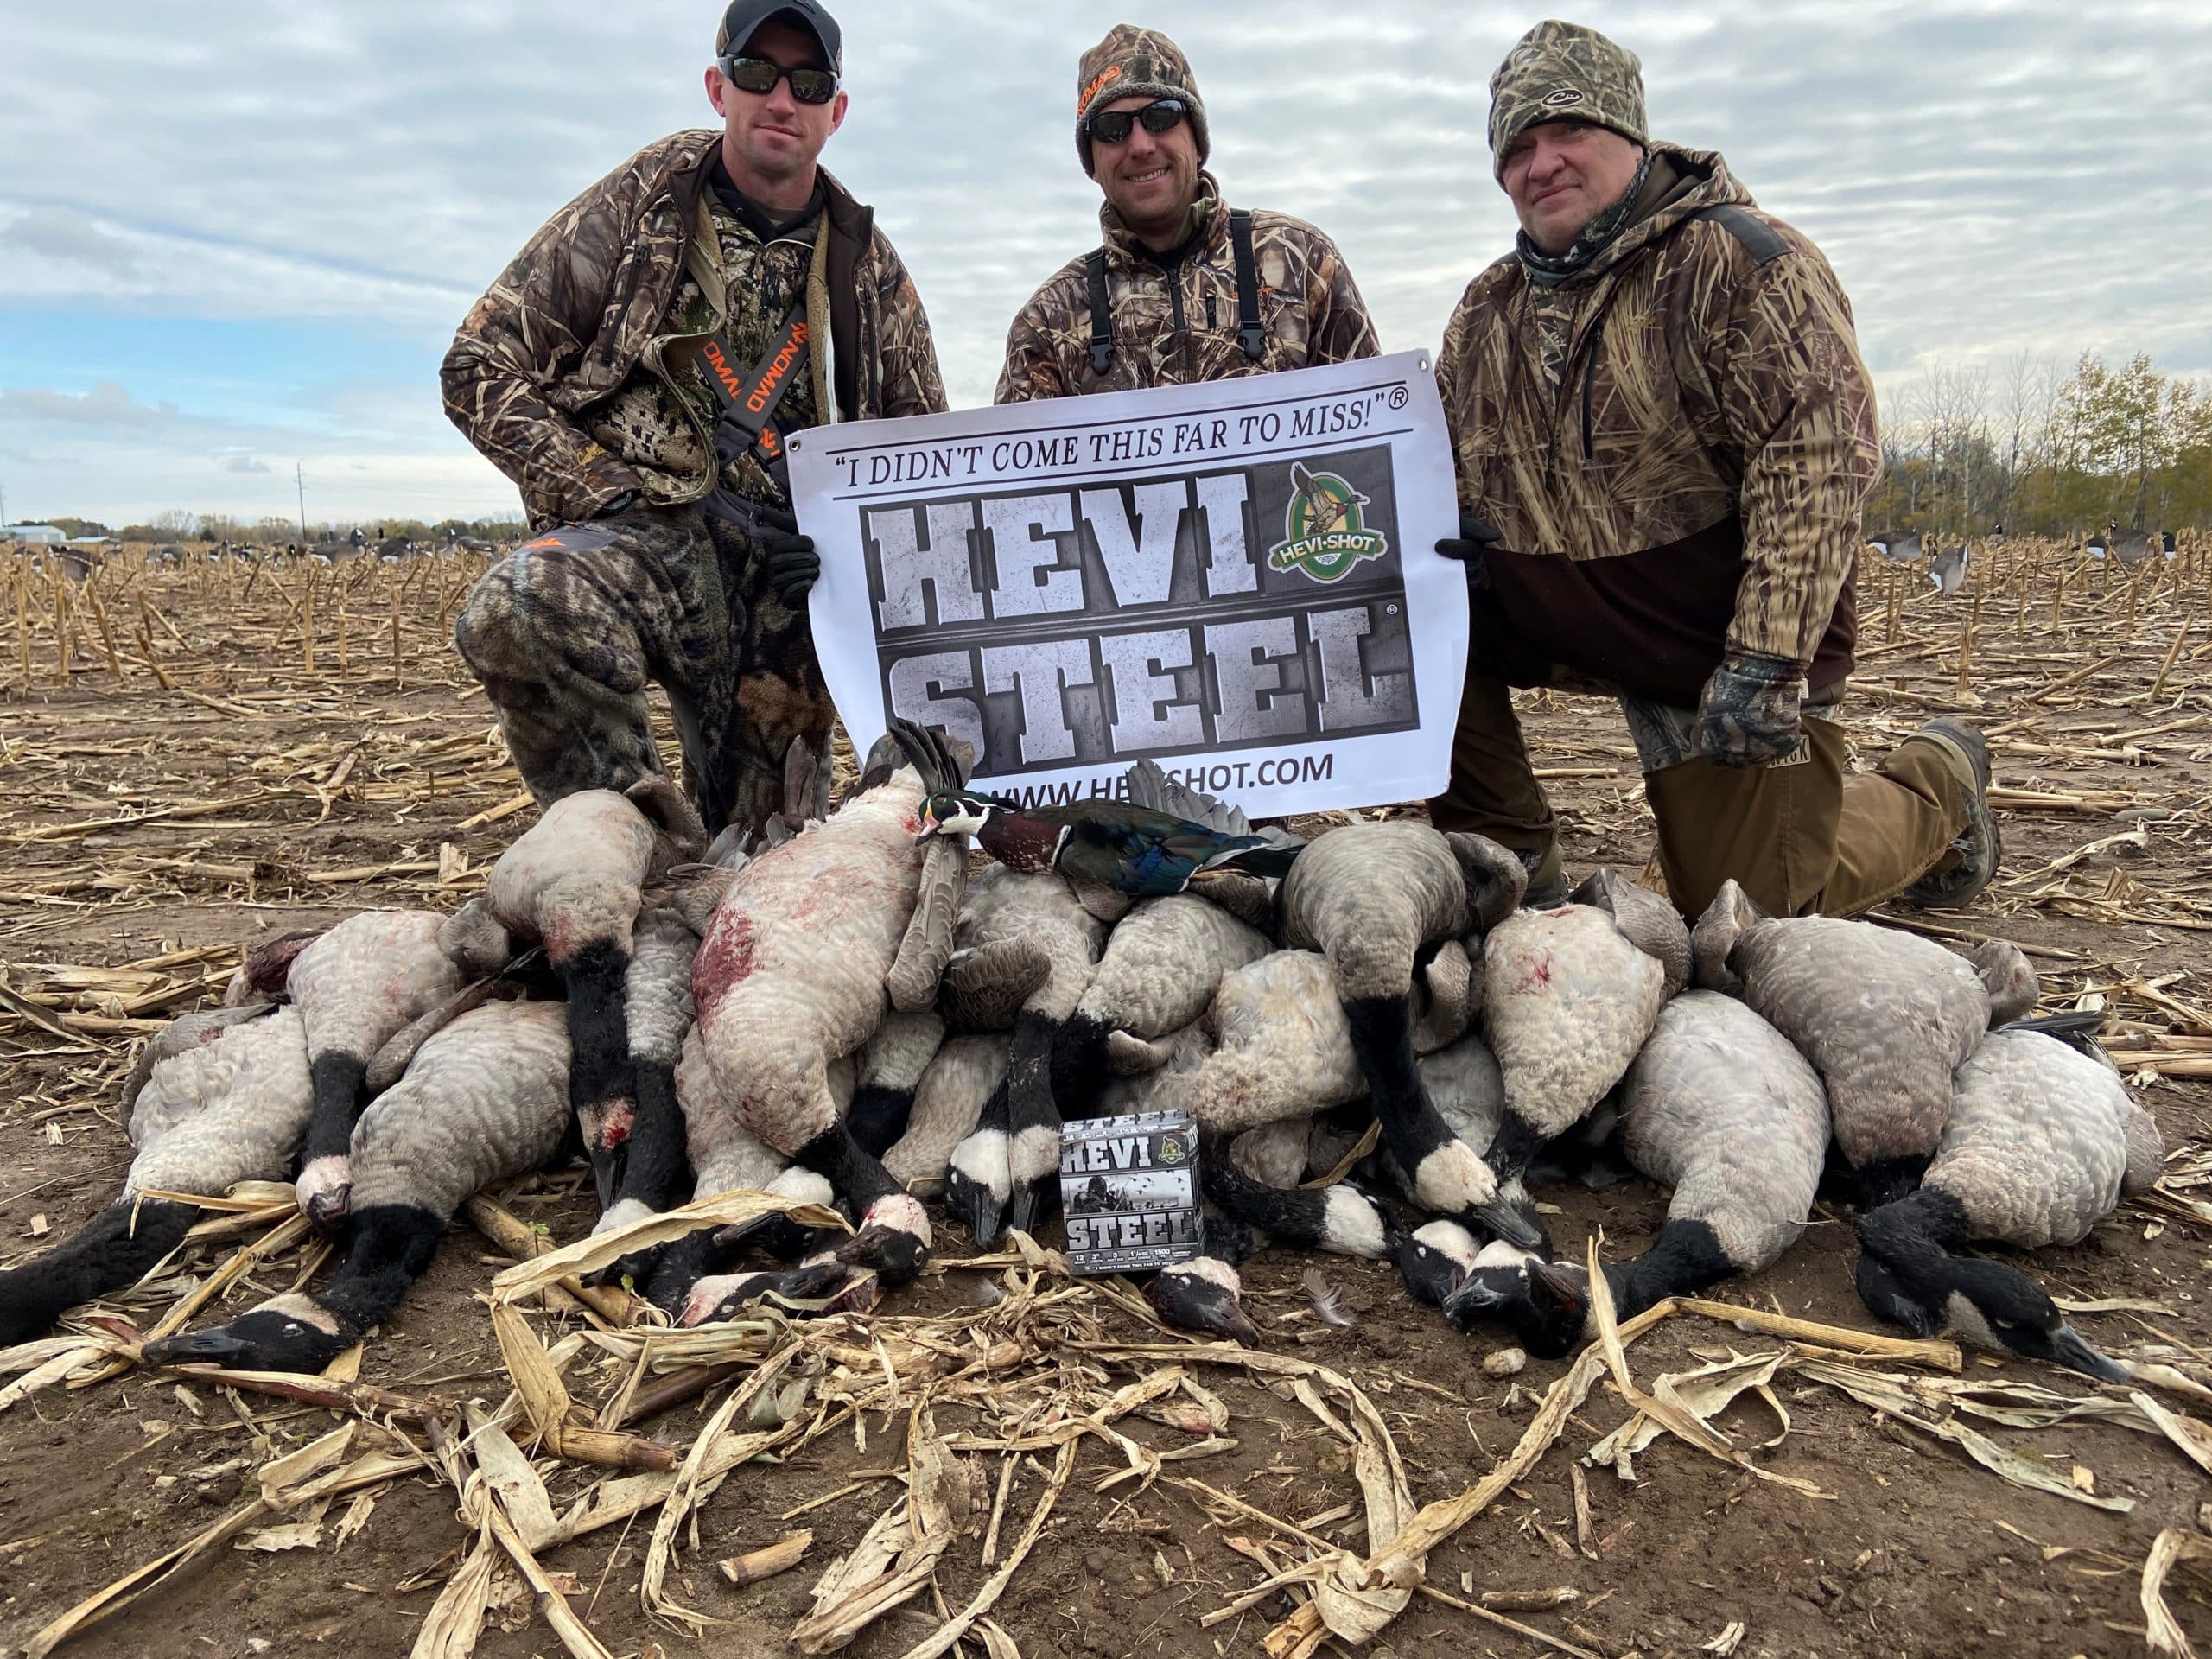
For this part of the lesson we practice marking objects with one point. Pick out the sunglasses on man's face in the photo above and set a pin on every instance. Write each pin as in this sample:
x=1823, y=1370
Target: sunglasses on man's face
x=1113, y=126
x=758, y=77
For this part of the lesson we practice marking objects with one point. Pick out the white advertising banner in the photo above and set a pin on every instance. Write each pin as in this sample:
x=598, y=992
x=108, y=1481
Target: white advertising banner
x=1237, y=580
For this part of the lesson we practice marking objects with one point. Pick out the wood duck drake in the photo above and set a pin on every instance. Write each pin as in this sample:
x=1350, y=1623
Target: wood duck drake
x=1104, y=846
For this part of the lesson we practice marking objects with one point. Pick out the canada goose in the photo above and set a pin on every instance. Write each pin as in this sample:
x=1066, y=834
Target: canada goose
x=486, y=1097
x=356, y=986
x=998, y=1175
x=1159, y=970
x=1902, y=545
x=811, y=943
x=1569, y=997
x=892, y=1066
x=948, y=1103
x=217, y=1097
x=1342, y=1219
x=2042, y=1142
x=1373, y=898
x=2129, y=546
x=1719, y=1106
x=1884, y=1017
x=575, y=882
x=456, y=542
x=1947, y=571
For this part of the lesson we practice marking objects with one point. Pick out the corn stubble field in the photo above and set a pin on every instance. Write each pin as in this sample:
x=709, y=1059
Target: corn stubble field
x=1003, y=1460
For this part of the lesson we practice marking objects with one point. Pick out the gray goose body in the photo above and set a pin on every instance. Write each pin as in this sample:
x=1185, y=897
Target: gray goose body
x=949, y=1100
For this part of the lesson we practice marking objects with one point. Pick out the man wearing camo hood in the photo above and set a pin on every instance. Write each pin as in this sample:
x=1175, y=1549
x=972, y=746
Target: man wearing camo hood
x=716, y=274
x=1664, y=435
x=1182, y=288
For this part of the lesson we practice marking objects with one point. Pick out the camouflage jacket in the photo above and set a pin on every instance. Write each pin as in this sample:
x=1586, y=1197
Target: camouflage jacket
x=588, y=299
x=1674, y=443
x=1176, y=324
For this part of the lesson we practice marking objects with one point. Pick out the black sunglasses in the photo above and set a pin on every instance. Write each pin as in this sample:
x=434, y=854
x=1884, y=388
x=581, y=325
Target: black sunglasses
x=1112, y=126
x=758, y=77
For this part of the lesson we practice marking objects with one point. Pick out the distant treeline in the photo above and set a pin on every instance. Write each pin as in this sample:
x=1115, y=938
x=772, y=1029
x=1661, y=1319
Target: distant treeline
x=276, y=532
x=2045, y=452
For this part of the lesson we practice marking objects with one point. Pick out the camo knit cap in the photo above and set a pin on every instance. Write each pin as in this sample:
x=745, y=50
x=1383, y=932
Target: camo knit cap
x=1560, y=71
x=1141, y=62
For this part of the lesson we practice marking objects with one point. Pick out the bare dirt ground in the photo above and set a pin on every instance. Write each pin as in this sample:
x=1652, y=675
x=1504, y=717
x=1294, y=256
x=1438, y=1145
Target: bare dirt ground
x=193, y=784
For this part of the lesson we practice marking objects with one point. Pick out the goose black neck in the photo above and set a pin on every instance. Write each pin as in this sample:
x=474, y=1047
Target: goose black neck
x=114, y=1248
x=1029, y=1071
x=1915, y=1231
x=859, y=1178
x=599, y=1024
x=657, y=1160
x=1079, y=1069
x=1514, y=1146
x=1684, y=1259
x=1886, y=1181
x=337, y=1077
x=1383, y=1040
x=391, y=1244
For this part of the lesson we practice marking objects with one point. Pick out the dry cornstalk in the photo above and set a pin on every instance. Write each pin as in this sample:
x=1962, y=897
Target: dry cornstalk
x=781, y=1557
x=1935, y=1355
x=107, y=634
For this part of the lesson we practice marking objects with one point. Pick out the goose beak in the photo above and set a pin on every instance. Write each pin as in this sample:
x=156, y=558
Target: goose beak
x=606, y=1169
x=215, y=1347
x=2077, y=1353
x=1517, y=1227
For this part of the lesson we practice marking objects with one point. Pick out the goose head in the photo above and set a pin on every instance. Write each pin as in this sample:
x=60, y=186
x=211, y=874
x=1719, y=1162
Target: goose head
x=1987, y=1303
x=286, y=1334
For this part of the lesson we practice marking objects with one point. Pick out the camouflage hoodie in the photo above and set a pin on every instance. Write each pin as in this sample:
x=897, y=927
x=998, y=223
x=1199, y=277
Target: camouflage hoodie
x=587, y=300
x=1674, y=443
x=1175, y=323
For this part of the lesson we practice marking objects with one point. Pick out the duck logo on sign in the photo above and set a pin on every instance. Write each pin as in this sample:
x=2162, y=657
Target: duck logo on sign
x=1324, y=536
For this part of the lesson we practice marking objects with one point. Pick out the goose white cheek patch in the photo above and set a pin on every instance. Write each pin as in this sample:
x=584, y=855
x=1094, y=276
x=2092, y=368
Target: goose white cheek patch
x=324, y=1186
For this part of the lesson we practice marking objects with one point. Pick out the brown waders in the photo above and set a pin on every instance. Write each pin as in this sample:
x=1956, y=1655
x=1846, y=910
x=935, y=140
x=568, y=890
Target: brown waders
x=1802, y=839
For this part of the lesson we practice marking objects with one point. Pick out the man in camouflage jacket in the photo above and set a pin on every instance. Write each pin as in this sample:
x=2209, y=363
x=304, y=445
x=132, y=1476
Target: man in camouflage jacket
x=583, y=374
x=1663, y=433
x=1169, y=265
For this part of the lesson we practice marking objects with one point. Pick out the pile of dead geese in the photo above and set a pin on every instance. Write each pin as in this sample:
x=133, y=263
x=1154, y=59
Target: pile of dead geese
x=845, y=1013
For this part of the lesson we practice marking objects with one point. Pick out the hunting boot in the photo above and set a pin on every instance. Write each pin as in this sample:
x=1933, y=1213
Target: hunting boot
x=1546, y=877
x=1959, y=875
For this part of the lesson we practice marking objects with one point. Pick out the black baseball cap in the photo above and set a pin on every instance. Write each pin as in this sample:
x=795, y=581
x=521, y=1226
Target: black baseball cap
x=744, y=18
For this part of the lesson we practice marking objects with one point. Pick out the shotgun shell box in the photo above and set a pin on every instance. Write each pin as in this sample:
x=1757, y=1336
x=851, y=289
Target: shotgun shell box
x=1129, y=1186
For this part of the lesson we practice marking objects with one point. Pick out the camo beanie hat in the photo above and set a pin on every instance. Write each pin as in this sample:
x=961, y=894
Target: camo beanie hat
x=1139, y=61
x=1563, y=71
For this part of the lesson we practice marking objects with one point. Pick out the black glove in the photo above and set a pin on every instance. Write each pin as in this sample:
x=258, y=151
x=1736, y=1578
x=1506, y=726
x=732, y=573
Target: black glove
x=621, y=503
x=791, y=562
x=1475, y=537
x=1750, y=714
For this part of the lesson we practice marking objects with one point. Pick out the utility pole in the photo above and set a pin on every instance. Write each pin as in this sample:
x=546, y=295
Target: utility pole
x=300, y=479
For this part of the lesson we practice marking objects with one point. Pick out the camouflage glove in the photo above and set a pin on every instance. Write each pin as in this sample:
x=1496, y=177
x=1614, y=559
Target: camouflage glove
x=1750, y=714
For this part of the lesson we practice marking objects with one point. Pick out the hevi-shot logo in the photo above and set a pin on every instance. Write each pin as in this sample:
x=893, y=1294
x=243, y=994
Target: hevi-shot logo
x=1324, y=536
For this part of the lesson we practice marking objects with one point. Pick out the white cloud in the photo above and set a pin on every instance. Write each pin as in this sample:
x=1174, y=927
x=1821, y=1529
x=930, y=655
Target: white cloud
x=1985, y=177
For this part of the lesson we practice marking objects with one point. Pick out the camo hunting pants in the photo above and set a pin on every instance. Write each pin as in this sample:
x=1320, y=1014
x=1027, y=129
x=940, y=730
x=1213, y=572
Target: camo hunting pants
x=568, y=632
x=1810, y=838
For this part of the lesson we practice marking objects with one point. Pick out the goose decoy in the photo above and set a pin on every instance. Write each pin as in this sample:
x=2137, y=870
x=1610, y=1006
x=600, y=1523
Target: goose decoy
x=2167, y=545
x=1719, y=1106
x=1947, y=571
x=1884, y=1017
x=1569, y=997
x=216, y=1098
x=1109, y=851
x=813, y=943
x=485, y=1097
x=1373, y=899
x=2042, y=1143
x=1903, y=545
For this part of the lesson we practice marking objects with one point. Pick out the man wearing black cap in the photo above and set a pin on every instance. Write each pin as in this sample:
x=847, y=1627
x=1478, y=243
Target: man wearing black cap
x=632, y=370
x=1182, y=290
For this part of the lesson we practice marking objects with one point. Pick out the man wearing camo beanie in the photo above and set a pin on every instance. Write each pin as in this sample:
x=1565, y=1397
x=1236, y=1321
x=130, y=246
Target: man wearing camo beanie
x=1181, y=290
x=1663, y=435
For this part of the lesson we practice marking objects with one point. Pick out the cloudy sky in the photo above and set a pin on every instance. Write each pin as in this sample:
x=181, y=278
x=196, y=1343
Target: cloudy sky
x=238, y=236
